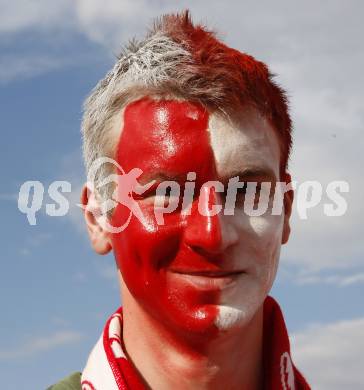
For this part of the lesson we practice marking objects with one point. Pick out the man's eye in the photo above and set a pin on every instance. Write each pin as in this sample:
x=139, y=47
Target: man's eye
x=241, y=191
x=248, y=193
x=257, y=193
x=149, y=193
x=168, y=192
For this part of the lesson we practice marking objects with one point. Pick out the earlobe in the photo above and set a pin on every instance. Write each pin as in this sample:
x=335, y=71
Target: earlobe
x=287, y=203
x=99, y=237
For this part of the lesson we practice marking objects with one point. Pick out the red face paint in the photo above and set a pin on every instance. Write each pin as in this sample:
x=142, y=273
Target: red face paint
x=168, y=139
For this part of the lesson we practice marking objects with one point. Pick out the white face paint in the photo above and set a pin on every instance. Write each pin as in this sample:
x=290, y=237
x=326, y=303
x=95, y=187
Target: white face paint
x=252, y=243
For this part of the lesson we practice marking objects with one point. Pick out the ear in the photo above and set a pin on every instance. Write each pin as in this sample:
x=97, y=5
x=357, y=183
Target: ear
x=287, y=204
x=99, y=237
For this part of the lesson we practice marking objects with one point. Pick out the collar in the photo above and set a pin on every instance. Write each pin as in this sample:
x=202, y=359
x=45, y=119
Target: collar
x=108, y=368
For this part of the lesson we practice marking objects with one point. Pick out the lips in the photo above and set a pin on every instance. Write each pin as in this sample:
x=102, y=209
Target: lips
x=204, y=280
x=209, y=273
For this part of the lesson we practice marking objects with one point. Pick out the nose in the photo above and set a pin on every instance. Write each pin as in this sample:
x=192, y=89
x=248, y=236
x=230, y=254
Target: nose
x=208, y=232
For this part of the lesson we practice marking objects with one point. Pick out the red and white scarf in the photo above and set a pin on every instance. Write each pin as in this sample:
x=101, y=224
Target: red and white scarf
x=107, y=367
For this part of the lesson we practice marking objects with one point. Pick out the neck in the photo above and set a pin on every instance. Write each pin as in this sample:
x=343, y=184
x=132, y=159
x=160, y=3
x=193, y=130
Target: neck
x=165, y=361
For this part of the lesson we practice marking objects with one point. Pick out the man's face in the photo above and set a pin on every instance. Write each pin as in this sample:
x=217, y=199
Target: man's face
x=197, y=273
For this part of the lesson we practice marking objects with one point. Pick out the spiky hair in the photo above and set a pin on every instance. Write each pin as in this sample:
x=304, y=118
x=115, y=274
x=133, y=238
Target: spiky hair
x=180, y=59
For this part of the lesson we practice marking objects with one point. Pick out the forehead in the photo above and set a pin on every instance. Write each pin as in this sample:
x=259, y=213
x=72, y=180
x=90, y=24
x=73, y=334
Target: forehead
x=172, y=135
x=164, y=136
x=248, y=141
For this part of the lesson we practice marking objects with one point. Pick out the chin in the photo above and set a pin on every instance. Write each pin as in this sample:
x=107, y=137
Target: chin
x=238, y=311
x=230, y=317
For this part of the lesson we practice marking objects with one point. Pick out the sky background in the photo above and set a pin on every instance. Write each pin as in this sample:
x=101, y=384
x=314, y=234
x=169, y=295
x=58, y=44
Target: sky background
x=55, y=293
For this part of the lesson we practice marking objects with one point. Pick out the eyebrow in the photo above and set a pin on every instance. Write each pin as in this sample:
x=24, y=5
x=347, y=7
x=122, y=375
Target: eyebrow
x=162, y=176
x=249, y=173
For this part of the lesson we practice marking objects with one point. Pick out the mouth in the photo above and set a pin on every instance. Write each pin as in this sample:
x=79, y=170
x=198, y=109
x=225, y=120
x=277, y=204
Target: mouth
x=209, y=273
x=207, y=279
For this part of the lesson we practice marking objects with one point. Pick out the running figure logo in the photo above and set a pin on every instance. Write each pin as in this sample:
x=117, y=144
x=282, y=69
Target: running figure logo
x=125, y=185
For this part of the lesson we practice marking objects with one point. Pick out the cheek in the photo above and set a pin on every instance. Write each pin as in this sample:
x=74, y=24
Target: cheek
x=267, y=242
x=259, y=243
x=144, y=247
x=143, y=256
x=258, y=253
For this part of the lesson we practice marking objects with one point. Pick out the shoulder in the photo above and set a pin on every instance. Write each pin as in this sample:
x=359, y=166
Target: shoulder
x=72, y=382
